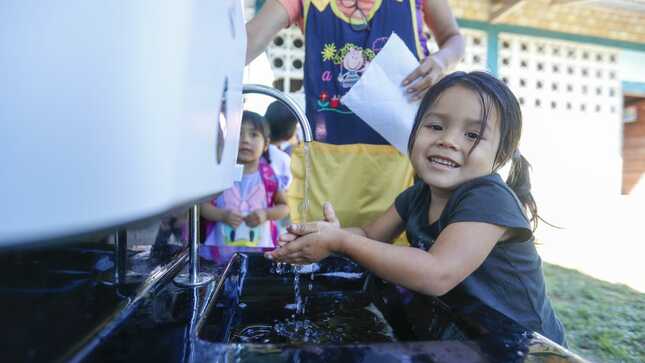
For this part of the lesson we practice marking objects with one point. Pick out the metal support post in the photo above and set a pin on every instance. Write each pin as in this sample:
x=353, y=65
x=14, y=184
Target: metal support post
x=120, y=256
x=194, y=278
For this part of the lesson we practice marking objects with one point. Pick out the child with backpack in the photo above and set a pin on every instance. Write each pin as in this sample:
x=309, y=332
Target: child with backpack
x=244, y=215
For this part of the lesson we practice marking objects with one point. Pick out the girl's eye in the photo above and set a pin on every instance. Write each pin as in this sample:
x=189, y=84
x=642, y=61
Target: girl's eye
x=472, y=135
x=435, y=127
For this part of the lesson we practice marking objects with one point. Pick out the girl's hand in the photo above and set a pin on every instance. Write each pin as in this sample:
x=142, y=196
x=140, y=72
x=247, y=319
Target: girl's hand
x=307, y=243
x=423, y=77
x=313, y=242
x=330, y=217
x=232, y=218
x=256, y=218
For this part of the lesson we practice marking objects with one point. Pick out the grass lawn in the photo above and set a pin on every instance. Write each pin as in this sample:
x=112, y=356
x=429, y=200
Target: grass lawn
x=604, y=322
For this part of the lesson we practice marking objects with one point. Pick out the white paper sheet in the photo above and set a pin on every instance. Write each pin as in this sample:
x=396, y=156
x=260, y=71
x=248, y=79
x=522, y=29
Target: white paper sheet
x=378, y=97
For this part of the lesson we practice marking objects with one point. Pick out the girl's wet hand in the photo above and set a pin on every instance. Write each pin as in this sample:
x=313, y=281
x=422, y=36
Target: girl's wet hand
x=423, y=77
x=286, y=238
x=330, y=214
x=307, y=243
x=256, y=218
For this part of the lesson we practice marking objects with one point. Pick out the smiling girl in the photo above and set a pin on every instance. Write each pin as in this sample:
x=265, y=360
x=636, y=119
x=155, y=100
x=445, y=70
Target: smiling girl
x=471, y=239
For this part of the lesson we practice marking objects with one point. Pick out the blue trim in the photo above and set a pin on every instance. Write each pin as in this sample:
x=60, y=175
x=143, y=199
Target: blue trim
x=634, y=87
x=258, y=5
x=492, y=56
x=536, y=32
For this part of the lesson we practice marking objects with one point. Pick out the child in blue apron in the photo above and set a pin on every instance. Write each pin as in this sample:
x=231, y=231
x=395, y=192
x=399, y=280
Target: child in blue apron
x=349, y=158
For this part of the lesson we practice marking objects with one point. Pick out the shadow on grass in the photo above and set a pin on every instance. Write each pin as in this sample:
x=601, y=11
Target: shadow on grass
x=604, y=322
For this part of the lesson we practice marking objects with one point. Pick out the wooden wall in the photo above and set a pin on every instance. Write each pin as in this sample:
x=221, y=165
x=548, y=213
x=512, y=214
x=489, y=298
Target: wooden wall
x=634, y=149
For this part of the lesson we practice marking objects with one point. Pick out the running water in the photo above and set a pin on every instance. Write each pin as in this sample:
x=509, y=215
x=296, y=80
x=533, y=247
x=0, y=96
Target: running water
x=304, y=209
x=298, y=324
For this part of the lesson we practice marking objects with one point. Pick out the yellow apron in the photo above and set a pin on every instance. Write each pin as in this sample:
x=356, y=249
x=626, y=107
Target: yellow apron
x=361, y=181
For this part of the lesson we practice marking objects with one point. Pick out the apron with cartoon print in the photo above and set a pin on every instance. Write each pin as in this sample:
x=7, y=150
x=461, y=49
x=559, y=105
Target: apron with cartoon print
x=336, y=55
x=353, y=166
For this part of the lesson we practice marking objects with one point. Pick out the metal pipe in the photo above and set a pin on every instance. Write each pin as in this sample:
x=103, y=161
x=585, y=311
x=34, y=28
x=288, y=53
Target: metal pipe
x=189, y=333
x=107, y=327
x=120, y=256
x=213, y=295
x=193, y=238
x=287, y=101
x=194, y=277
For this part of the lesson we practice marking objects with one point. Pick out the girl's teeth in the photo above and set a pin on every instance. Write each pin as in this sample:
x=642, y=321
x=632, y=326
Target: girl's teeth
x=444, y=162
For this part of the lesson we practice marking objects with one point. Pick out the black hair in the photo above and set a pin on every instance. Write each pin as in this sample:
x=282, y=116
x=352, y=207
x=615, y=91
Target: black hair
x=282, y=121
x=492, y=93
x=260, y=124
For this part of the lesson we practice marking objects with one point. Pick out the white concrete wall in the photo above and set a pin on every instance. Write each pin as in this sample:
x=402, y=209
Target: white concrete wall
x=632, y=64
x=572, y=106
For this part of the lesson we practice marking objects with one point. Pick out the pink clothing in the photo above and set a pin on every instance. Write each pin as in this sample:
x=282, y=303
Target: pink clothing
x=255, y=191
x=294, y=9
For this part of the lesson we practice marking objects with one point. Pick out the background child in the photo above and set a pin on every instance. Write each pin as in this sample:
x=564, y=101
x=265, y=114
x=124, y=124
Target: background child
x=244, y=214
x=470, y=238
x=282, y=123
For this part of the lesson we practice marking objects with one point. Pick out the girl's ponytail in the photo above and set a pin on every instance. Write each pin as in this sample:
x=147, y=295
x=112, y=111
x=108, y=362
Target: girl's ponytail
x=519, y=181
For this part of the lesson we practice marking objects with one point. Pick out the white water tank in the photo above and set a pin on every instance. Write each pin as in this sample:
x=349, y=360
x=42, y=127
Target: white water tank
x=110, y=111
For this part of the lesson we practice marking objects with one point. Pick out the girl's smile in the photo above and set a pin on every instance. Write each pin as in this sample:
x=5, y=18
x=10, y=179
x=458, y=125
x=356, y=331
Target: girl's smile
x=442, y=163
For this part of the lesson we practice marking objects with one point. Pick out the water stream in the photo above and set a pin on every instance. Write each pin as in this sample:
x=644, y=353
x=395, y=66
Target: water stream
x=304, y=209
x=298, y=323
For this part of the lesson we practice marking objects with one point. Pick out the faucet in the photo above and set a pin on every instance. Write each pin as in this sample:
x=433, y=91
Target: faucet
x=287, y=101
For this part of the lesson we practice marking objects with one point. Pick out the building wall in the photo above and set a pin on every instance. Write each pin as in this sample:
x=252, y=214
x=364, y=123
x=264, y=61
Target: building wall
x=634, y=151
x=631, y=65
x=580, y=19
x=571, y=105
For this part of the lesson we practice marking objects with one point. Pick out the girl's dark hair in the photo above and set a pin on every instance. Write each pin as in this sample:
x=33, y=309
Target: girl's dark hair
x=492, y=93
x=260, y=124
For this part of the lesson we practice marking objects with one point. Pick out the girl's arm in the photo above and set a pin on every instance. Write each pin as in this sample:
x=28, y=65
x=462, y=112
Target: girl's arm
x=214, y=214
x=451, y=43
x=385, y=228
x=261, y=29
x=279, y=210
x=460, y=249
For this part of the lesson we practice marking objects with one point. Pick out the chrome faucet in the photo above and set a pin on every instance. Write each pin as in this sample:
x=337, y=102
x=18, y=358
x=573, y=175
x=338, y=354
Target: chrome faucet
x=287, y=101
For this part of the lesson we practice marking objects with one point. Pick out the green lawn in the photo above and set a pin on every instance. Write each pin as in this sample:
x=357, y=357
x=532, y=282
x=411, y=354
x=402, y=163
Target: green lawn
x=604, y=322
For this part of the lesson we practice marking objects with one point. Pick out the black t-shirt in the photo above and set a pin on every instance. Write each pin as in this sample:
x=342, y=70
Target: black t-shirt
x=510, y=279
